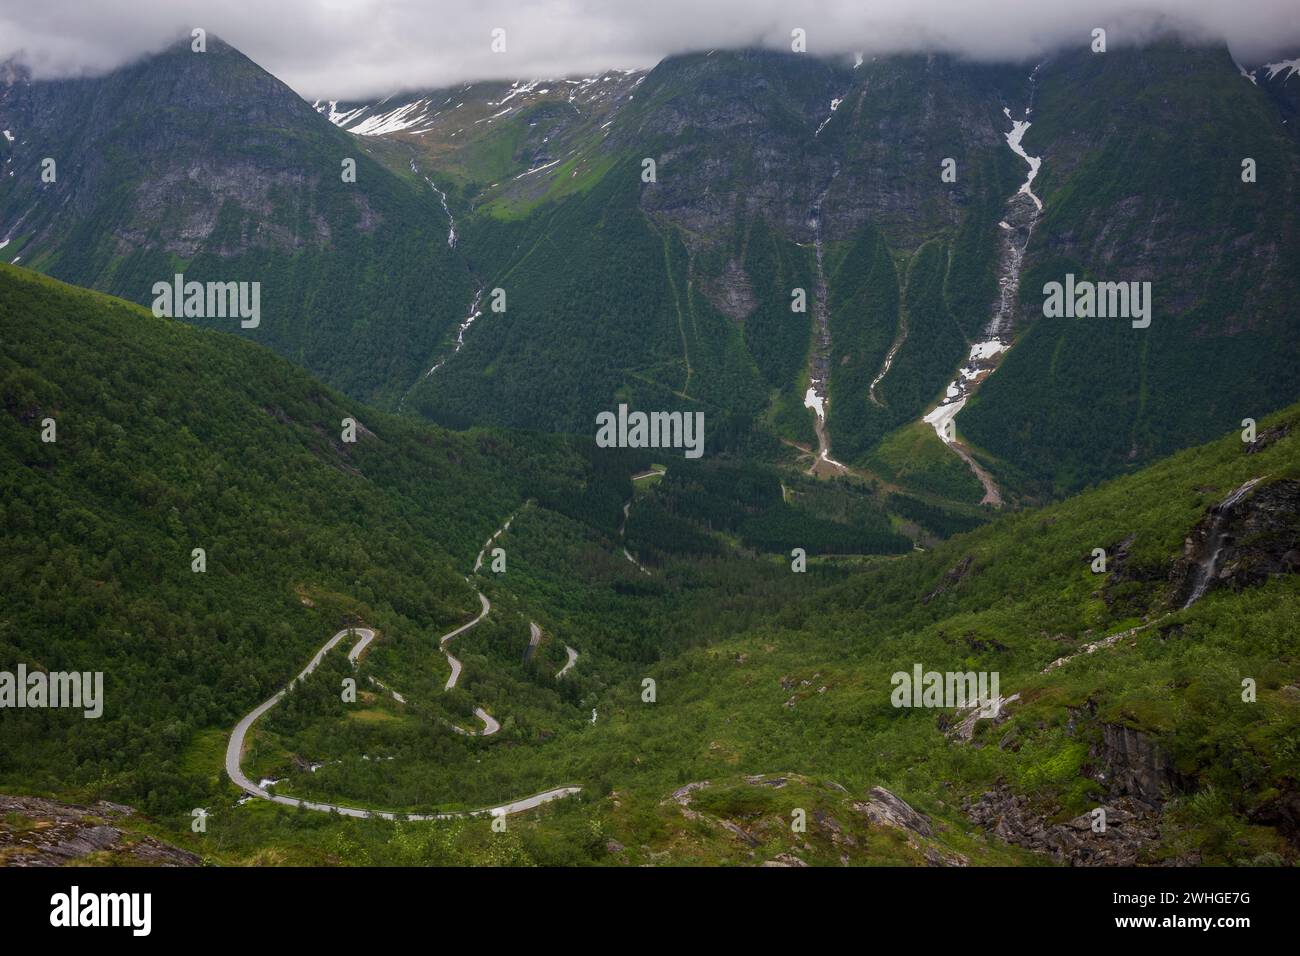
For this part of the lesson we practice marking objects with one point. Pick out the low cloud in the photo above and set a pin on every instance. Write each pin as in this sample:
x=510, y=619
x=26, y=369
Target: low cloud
x=355, y=48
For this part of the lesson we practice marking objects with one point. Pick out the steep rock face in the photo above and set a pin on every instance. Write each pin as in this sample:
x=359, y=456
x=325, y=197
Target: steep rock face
x=1249, y=537
x=761, y=134
x=724, y=128
x=773, y=172
x=888, y=809
x=1131, y=763
x=1142, y=182
x=95, y=130
x=1131, y=587
x=732, y=293
x=203, y=163
x=752, y=818
x=145, y=135
x=762, y=187
x=1138, y=778
x=1128, y=230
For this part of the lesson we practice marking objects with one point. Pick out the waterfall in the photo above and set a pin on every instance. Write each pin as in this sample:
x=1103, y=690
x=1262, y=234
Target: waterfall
x=1023, y=211
x=1217, y=539
x=819, y=359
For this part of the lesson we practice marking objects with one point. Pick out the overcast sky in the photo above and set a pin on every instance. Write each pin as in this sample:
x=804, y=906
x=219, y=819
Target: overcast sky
x=342, y=49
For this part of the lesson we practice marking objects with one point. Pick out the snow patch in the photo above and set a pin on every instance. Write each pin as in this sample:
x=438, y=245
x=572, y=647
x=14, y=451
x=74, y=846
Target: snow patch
x=1018, y=130
x=1292, y=67
x=814, y=401
x=942, y=415
x=835, y=104
x=330, y=110
x=983, y=350
x=517, y=89
x=537, y=169
x=404, y=117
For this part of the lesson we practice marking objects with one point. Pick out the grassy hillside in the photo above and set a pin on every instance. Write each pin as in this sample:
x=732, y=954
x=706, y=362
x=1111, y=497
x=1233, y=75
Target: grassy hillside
x=788, y=678
x=773, y=688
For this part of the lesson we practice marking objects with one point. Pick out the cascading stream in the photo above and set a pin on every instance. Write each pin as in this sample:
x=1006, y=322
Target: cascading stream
x=819, y=360
x=1217, y=540
x=442, y=196
x=1023, y=212
x=473, y=312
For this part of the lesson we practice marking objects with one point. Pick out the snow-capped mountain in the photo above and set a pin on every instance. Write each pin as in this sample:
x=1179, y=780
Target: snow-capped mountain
x=1282, y=70
x=455, y=110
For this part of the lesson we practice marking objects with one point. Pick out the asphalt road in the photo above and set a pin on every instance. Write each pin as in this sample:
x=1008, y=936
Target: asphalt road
x=238, y=737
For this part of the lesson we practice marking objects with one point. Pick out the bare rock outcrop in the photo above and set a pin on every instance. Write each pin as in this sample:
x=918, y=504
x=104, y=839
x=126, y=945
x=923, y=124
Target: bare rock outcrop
x=1132, y=763
x=952, y=577
x=1131, y=827
x=39, y=832
x=1249, y=537
x=888, y=809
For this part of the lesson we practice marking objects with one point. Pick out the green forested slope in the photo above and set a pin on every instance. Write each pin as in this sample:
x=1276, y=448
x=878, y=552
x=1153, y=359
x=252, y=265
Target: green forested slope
x=170, y=439
x=205, y=164
x=1141, y=154
x=1142, y=181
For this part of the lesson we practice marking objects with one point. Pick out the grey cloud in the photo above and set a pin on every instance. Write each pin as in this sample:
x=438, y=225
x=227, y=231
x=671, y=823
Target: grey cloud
x=344, y=49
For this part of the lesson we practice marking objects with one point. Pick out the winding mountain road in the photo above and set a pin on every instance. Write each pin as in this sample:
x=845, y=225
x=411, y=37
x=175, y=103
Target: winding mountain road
x=442, y=641
x=490, y=726
x=478, y=561
x=534, y=638
x=621, y=529
x=367, y=635
x=238, y=737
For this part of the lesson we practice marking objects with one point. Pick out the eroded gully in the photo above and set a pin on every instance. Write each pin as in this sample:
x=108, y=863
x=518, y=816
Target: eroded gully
x=817, y=398
x=1023, y=211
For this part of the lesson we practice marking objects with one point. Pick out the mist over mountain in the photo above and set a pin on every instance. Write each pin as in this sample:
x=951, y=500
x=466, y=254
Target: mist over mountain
x=370, y=48
x=776, y=171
